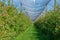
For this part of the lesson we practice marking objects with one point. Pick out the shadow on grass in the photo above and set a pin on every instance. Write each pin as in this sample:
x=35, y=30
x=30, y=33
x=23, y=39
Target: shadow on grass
x=45, y=36
x=40, y=35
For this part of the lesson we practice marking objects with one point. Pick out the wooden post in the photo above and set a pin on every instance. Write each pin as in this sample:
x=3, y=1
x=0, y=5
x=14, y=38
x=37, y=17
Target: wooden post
x=54, y=6
x=12, y=2
x=46, y=9
x=4, y=2
x=8, y=2
x=20, y=6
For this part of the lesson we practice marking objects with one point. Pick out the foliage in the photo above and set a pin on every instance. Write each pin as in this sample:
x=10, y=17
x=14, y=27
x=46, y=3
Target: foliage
x=50, y=25
x=11, y=23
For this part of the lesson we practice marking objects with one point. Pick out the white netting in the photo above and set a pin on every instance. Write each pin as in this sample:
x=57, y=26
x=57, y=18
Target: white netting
x=33, y=8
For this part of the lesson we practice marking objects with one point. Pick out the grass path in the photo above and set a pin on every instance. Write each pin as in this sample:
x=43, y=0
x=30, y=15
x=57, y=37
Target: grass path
x=32, y=33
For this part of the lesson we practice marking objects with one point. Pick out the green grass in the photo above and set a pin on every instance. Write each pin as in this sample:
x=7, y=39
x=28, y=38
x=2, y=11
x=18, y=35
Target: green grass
x=32, y=33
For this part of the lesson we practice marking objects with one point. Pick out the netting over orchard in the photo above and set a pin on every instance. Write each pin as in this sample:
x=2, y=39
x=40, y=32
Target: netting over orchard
x=33, y=8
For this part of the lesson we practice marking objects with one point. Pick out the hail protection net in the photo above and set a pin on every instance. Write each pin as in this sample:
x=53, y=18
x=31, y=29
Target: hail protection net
x=33, y=8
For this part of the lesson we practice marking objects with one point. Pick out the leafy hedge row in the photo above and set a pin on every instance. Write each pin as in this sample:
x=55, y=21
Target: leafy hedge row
x=50, y=25
x=12, y=23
